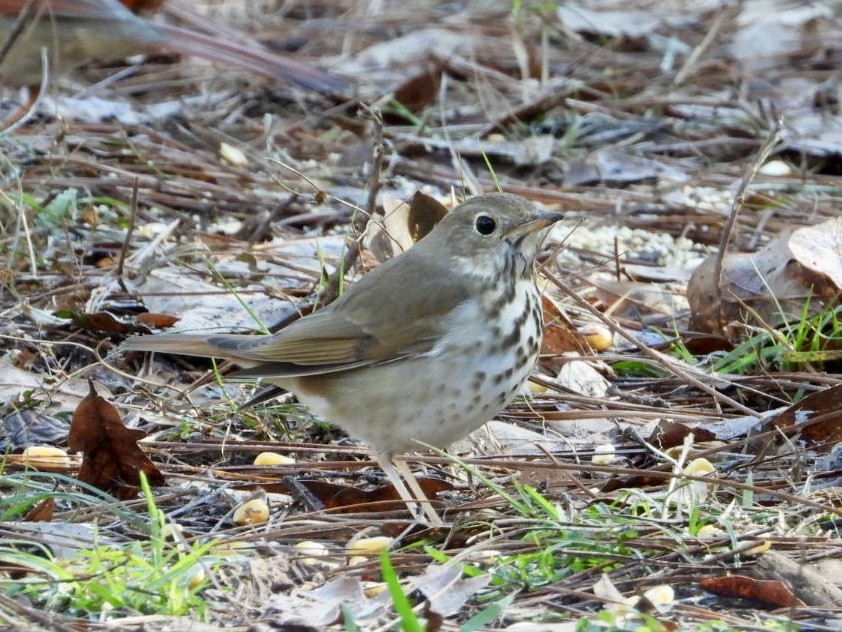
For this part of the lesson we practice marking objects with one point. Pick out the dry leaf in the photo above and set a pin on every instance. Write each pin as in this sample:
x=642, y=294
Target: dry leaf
x=630, y=299
x=672, y=433
x=769, y=31
x=770, y=592
x=622, y=22
x=403, y=224
x=104, y=322
x=42, y=512
x=527, y=152
x=559, y=331
x=420, y=90
x=819, y=248
x=111, y=458
x=24, y=427
x=425, y=212
x=774, y=283
x=809, y=586
x=816, y=419
x=579, y=376
x=347, y=499
x=158, y=321
x=605, y=590
x=202, y=306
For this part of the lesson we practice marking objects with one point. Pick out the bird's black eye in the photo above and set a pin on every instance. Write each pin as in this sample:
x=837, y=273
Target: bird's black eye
x=484, y=224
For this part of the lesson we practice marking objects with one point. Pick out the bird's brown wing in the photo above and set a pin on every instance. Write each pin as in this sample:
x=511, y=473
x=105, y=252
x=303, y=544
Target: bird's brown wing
x=378, y=320
x=352, y=332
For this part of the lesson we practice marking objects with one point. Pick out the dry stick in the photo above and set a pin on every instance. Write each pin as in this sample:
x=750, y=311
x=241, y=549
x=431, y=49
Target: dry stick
x=23, y=226
x=359, y=222
x=124, y=248
x=277, y=211
x=681, y=75
x=808, y=585
x=739, y=199
x=469, y=178
x=23, y=19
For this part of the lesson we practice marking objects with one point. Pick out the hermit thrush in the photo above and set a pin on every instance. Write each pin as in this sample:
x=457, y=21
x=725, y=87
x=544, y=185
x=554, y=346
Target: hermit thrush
x=425, y=348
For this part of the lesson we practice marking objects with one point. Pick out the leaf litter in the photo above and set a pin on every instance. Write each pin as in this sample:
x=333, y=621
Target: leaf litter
x=243, y=194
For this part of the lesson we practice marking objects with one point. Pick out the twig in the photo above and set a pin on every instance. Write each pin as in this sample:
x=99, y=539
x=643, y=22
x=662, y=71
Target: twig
x=277, y=211
x=470, y=182
x=707, y=40
x=23, y=225
x=35, y=96
x=359, y=221
x=23, y=19
x=739, y=199
x=124, y=247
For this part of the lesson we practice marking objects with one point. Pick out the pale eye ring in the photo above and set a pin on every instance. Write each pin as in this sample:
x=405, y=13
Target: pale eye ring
x=484, y=224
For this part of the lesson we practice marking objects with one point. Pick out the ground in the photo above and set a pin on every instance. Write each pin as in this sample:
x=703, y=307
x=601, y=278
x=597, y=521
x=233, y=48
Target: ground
x=163, y=187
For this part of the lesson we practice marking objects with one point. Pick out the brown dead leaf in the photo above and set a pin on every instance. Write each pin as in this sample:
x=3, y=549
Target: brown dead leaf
x=403, y=224
x=111, y=458
x=702, y=345
x=425, y=212
x=773, y=283
x=144, y=7
x=42, y=512
x=637, y=481
x=769, y=592
x=559, y=332
x=668, y=434
x=158, y=321
x=321, y=495
x=420, y=90
x=105, y=322
x=816, y=419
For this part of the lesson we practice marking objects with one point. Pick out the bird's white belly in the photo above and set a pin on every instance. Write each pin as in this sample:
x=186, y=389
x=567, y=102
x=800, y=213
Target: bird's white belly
x=398, y=406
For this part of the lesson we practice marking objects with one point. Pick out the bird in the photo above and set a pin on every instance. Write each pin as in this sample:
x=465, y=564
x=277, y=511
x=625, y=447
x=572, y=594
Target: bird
x=422, y=350
x=74, y=32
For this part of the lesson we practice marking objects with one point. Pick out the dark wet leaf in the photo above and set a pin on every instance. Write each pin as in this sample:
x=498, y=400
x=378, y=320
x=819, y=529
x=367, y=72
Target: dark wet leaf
x=111, y=458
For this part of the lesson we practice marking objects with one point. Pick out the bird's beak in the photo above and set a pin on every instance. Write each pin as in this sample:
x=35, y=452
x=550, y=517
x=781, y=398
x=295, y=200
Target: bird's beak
x=537, y=221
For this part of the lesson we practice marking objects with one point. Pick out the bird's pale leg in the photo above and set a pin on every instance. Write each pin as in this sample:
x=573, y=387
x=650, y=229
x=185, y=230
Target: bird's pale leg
x=395, y=467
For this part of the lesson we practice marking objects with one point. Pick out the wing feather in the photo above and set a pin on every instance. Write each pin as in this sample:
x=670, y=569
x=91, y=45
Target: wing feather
x=377, y=320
